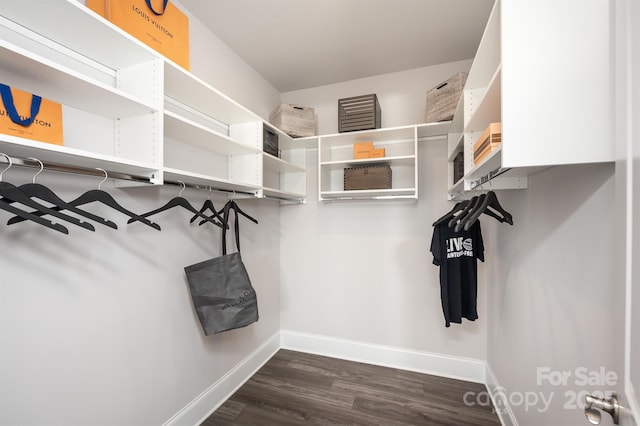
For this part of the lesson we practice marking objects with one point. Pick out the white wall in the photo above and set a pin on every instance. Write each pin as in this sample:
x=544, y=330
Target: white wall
x=402, y=95
x=362, y=270
x=98, y=327
x=217, y=64
x=552, y=299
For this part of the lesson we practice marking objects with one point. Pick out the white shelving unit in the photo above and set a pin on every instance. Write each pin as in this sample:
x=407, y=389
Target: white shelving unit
x=129, y=110
x=479, y=106
x=335, y=153
x=547, y=117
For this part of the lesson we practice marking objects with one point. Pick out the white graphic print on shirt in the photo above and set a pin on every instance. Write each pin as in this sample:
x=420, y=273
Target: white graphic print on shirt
x=458, y=247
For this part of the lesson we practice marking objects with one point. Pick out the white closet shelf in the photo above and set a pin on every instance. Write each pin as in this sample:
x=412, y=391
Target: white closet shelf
x=192, y=133
x=492, y=162
x=108, y=44
x=50, y=153
x=185, y=88
x=171, y=174
x=374, y=194
x=282, y=195
x=278, y=165
x=35, y=74
x=392, y=161
x=431, y=130
x=487, y=109
x=385, y=135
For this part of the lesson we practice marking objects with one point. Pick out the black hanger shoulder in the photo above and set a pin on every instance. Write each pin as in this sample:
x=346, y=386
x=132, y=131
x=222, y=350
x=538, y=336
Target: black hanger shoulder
x=98, y=195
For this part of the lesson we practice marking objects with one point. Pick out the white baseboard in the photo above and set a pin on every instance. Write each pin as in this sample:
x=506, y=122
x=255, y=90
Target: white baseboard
x=215, y=395
x=500, y=400
x=468, y=369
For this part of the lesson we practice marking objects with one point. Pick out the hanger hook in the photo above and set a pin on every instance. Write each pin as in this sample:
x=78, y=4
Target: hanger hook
x=8, y=167
x=490, y=185
x=182, y=189
x=33, y=180
x=106, y=176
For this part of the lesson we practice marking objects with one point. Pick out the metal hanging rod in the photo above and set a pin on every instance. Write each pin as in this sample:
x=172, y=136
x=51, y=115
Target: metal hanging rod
x=207, y=188
x=29, y=162
x=88, y=171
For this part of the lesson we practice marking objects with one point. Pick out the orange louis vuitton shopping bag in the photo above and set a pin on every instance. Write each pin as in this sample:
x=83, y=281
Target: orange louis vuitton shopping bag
x=157, y=23
x=29, y=116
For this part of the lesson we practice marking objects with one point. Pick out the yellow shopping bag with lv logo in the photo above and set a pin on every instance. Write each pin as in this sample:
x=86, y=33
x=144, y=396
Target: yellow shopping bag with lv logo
x=157, y=23
x=29, y=116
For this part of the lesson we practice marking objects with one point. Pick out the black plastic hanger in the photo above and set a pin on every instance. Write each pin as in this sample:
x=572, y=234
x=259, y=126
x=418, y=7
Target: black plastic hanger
x=231, y=204
x=32, y=217
x=12, y=193
x=461, y=220
x=450, y=214
x=453, y=221
x=179, y=201
x=98, y=195
x=490, y=201
x=226, y=212
x=43, y=193
x=208, y=205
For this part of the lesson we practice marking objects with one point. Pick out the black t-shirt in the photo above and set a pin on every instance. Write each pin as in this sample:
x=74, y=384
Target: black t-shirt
x=456, y=254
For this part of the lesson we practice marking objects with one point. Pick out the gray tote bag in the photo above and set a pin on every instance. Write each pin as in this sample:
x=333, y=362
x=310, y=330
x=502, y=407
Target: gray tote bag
x=221, y=290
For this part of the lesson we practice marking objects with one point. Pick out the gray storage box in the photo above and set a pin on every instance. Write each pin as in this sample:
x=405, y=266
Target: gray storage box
x=442, y=100
x=295, y=120
x=359, y=113
x=374, y=176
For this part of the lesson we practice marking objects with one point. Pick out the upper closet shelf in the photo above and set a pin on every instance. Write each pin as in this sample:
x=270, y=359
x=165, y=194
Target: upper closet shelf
x=182, y=129
x=104, y=43
x=183, y=87
x=31, y=72
x=278, y=165
x=433, y=130
x=485, y=104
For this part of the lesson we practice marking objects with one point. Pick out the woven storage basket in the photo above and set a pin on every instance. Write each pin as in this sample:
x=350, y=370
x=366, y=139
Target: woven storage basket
x=376, y=176
x=442, y=100
x=359, y=113
x=295, y=120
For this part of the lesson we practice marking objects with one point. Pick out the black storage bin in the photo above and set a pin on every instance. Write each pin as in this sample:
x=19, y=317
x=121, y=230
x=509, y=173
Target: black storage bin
x=359, y=113
x=458, y=167
x=270, y=141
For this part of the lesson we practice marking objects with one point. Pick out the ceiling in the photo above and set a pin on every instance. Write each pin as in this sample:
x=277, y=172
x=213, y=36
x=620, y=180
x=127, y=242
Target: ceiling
x=299, y=44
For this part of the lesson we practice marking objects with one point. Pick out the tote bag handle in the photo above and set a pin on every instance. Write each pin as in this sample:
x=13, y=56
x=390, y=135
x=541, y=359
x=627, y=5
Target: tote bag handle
x=164, y=7
x=236, y=227
x=7, y=100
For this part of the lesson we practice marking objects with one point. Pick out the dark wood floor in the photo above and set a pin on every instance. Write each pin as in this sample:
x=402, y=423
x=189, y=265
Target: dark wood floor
x=295, y=388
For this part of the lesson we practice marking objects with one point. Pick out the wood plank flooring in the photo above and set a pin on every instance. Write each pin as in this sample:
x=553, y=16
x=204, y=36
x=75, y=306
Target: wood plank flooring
x=295, y=388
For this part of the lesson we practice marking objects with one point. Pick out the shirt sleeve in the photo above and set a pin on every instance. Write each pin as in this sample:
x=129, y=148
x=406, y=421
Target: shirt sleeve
x=435, y=245
x=479, y=244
